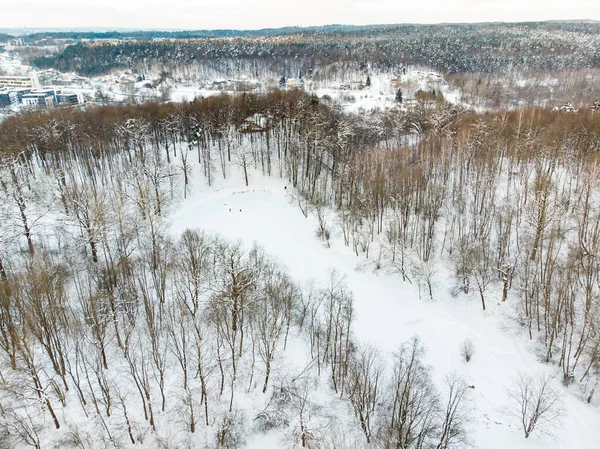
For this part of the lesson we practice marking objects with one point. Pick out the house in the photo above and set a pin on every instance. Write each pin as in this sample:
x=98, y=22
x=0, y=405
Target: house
x=352, y=85
x=39, y=99
x=258, y=123
x=567, y=107
x=219, y=84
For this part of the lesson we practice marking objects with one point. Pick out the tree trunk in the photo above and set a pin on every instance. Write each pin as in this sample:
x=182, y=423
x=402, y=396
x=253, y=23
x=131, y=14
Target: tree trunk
x=268, y=372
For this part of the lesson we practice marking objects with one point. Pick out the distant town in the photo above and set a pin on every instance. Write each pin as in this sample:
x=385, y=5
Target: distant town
x=26, y=91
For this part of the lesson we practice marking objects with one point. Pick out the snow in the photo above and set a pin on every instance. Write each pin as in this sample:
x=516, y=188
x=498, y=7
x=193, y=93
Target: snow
x=12, y=65
x=389, y=312
x=122, y=86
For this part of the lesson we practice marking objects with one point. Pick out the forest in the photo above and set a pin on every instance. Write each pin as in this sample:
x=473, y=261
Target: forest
x=448, y=48
x=114, y=333
x=193, y=34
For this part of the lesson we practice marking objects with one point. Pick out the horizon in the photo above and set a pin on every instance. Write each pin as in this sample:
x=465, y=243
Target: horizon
x=22, y=31
x=272, y=14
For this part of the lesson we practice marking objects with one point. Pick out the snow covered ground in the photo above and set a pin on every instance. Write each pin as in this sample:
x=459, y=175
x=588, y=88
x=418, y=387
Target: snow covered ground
x=381, y=95
x=11, y=65
x=389, y=312
x=125, y=86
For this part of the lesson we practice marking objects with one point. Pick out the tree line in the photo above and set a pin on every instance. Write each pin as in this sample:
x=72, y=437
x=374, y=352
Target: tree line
x=458, y=48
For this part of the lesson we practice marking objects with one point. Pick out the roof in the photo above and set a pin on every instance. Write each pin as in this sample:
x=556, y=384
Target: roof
x=38, y=94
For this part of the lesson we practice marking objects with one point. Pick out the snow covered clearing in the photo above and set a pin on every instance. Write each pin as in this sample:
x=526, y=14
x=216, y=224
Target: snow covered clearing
x=389, y=312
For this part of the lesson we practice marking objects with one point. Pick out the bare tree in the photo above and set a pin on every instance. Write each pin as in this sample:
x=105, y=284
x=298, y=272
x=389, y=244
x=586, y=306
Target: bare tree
x=456, y=415
x=16, y=183
x=270, y=317
x=537, y=405
x=482, y=271
x=338, y=317
x=299, y=395
x=467, y=349
x=414, y=403
x=362, y=387
x=185, y=170
x=319, y=210
x=424, y=272
x=242, y=157
x=88, y=207
x=233, y=284
x=20, y=425
x=301, y=199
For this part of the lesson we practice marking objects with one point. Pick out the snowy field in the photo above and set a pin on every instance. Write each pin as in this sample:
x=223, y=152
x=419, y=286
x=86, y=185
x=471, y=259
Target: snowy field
x=389, y=312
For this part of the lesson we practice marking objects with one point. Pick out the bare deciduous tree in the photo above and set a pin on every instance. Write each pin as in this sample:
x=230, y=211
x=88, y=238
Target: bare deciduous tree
x=414, y=406
x=456, y=416
x=537, y=404
x=319, y=210
x=467, y=349
x=362, y=387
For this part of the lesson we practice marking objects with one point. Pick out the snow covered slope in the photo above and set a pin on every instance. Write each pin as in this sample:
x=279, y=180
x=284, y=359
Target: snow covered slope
x=389, y=312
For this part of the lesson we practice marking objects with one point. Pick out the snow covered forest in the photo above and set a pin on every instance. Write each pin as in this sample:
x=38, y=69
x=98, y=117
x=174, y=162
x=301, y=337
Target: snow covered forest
x=498, y=65
x=449, y=48
x=118, y=328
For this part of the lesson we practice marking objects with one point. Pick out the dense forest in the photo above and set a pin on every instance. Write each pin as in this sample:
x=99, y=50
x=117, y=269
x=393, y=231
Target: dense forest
x=482, y=48
x=194, y=34
x=109, y=326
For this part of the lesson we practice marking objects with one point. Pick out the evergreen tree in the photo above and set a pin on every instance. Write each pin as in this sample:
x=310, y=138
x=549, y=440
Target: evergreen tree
x=368, y=81
x=399, y=96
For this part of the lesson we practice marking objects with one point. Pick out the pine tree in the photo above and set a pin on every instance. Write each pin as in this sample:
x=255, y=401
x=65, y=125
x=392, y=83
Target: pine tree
x=368, y=81
x=399, y=96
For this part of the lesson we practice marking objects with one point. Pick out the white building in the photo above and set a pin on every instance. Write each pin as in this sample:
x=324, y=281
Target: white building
x=19, y=81
x=39, y=99
x=15, y=95
x=15, y=43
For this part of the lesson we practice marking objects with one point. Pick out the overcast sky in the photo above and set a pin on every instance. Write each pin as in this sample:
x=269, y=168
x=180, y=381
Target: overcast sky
x=253, y=14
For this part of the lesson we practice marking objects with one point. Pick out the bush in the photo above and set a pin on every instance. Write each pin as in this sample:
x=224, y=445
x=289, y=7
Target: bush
x=467, y=349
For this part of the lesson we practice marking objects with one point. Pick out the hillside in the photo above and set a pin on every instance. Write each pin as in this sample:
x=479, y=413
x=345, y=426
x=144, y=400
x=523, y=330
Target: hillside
x=267, y=270
x=486, y=48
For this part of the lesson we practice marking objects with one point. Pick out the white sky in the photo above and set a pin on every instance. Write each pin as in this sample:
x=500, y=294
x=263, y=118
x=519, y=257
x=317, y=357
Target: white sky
x=253, y=14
